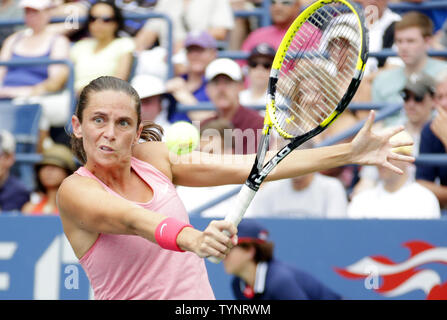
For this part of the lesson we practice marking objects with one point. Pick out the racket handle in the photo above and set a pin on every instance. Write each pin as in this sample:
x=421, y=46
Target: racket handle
x=241, y=203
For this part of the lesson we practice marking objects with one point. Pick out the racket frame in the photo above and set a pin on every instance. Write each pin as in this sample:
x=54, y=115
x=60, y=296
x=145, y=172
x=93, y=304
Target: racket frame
x=260, y=170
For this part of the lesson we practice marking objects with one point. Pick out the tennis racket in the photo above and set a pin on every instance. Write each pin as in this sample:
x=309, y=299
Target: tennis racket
x=315, y=73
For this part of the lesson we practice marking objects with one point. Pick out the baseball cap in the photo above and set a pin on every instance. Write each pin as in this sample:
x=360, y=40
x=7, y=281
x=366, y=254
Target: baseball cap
x=200, y=38
x=36, y=4
x=7, y=142
x=420, y=84
x=224, y=66
x=249, y=230
x=262, y=49
x=344, y=31
x=57, y=155
x=148, y=85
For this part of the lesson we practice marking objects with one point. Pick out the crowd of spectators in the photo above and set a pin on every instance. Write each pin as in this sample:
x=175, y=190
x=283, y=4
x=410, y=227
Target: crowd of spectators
x=101, y=37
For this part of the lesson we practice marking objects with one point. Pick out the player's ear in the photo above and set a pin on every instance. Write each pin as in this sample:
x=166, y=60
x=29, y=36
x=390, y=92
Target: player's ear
x=139, y=131
x=76, y=125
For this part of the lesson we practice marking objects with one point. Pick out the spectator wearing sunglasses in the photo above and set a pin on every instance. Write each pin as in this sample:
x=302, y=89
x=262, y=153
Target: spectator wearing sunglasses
x=103, y=52
x=434, y=140
x=259, y=64
x=419, y=104
x=412, y=37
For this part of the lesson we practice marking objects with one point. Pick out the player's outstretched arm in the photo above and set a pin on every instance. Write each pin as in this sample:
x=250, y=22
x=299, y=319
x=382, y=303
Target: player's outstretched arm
x=367, y=148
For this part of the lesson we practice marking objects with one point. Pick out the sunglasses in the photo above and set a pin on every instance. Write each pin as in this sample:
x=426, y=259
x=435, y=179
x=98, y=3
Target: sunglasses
x=283, y=2
x=254, y=64
x=407, y=96
x=103, y=19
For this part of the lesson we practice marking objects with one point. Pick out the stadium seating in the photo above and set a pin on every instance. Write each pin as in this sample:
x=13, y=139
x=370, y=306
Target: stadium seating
x=23, y=122
x=26, y=155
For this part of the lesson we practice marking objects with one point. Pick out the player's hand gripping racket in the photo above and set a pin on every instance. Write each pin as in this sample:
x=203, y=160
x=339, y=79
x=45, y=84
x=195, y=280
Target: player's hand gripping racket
x=316, y=72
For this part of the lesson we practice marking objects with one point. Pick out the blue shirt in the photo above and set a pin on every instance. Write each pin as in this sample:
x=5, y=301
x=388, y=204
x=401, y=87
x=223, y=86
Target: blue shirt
x=13, y=195
x=430, y=143
x=200, y=94
x=276, y=280
x=18, y=76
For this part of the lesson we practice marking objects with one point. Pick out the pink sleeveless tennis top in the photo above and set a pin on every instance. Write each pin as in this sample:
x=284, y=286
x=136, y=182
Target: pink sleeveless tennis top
x=131, y=267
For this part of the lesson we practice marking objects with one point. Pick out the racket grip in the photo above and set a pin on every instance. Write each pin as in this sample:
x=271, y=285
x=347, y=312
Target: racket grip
x=241, y=204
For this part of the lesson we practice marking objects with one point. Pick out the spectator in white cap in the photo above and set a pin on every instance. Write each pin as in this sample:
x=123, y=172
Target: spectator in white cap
x=157, y=104
x=225, y=82
x=13, y=194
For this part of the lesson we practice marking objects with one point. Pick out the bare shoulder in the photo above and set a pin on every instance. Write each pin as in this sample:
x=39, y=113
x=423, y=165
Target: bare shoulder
x=7, y=43
x=74, y=199
x=156, y=154
x=71, y=190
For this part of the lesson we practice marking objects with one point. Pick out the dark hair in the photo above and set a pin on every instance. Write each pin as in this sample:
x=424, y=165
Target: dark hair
x=117, y=14
x=418, y=20
x=263, y=250
x=151, y=131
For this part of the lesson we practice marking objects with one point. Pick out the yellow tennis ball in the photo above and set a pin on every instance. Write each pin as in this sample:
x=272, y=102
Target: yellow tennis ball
x=182, y=137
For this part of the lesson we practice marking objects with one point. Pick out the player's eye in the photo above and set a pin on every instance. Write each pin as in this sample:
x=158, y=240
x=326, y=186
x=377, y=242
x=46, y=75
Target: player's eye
x=124, y=123
x=98, y=120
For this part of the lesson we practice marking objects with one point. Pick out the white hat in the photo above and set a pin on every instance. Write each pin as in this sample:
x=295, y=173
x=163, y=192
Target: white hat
x=345, y=31
x=36, y=4
x=148, y=85
x=7, y=142
x=224, y=66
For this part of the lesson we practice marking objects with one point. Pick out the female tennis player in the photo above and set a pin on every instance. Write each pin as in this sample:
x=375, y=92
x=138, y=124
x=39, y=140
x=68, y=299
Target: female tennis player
x=121, y=213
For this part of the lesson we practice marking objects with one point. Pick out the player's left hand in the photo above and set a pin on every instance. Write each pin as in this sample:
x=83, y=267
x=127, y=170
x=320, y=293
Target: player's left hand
x=375, y=148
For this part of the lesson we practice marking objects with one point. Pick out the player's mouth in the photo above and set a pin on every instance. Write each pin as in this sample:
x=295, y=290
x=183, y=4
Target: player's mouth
x=106, y=149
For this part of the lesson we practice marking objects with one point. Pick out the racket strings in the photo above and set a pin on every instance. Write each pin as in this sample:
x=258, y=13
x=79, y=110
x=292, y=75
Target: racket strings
x=319, y=111
x=317, y=69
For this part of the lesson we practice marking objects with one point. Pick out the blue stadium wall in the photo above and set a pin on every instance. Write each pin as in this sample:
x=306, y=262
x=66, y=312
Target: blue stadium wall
x=360, y=259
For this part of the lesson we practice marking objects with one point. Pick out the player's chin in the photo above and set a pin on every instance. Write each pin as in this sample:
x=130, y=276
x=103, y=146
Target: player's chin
x=107, y=159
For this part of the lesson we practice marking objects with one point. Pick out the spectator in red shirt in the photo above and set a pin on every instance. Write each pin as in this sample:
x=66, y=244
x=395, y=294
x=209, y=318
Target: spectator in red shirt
x=283, y=13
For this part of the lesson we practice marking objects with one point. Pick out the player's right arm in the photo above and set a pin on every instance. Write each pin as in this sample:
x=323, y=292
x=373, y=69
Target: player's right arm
x=87, y=210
